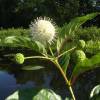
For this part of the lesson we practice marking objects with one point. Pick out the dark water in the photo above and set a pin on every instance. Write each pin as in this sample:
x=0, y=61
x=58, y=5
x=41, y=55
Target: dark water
x=10, y=81
x=13, y=78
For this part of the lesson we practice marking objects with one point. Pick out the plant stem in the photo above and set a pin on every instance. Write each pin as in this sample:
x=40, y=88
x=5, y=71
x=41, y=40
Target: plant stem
x=65, y=52
x=38, y=57
x=55, y=61
x=65, y=78
x=71, y=91
x=51, y=51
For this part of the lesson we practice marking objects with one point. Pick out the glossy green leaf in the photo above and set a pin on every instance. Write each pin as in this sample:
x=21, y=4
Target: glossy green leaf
x=87, y=64
x=8, y=41
x=59, y=42
x=67, y=32
x=64, y=61
x=69, y=29
x=21, y=41
x=95, y=93
x=34, y=94
x=34, y=45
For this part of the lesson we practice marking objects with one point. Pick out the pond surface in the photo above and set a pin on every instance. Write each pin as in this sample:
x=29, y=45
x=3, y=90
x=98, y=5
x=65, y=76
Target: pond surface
x=12, y=78
x=10, y=81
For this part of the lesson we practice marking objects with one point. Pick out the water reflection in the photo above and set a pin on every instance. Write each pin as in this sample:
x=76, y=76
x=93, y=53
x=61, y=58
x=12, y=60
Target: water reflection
x=46, y=78
x=8, y=84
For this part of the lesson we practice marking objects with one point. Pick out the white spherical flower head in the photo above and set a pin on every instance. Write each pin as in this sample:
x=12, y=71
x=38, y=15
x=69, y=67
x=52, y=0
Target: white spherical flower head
x=42, y=30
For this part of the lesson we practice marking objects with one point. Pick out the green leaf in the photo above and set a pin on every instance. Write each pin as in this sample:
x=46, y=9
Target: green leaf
x=64, y=61
x=69, y=29
x=59, y=43
x=34, y=94
x=39, y=47
x=8, y=41
x=67, y=32
x=34, y=45
x=21, y=41
x=95, y=93
x=87, y=64
x=31, y=67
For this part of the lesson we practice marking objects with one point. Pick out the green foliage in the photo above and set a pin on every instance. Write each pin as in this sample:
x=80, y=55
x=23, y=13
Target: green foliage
x=64, y=61
x=69, y=29
x=87, y=64
x=21, y=41
x=91, y=35
x=88, y=33
x=92, y=47
x=34, y=94
x=8, y=36
x=13, y=32
x=95, y=93
x=59, y=41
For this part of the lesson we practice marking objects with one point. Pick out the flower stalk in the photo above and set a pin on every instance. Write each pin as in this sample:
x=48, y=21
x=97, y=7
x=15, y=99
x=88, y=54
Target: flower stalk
x=65, y=78
x=65, y=52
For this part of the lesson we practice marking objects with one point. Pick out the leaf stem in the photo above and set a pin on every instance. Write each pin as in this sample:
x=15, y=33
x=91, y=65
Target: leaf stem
x=65, y=52
x=38, y=57
x=51, y=51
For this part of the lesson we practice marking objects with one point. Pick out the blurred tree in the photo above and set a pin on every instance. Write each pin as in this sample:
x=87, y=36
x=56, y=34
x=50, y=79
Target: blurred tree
x=20, y=12
x=87, y=6
x=7, y=12
x=59, y=10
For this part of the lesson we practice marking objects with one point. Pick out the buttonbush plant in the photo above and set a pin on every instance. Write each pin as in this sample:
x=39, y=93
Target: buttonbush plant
x=58, y=52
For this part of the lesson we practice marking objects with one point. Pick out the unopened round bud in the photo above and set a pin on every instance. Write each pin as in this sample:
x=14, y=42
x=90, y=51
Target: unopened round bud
x=79, y=56
x=19, y=58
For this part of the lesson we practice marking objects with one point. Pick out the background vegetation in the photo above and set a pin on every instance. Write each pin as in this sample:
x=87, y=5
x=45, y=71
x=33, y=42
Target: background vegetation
x=16, y=13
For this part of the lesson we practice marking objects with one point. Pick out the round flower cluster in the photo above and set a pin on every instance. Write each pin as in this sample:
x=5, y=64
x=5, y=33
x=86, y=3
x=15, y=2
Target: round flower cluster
x=79, y=56
x=42, y=30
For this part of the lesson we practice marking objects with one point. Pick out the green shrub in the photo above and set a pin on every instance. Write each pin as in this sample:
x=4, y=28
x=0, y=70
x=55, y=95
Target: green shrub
x=89, y=33
x=92, y=47
x=12, y=31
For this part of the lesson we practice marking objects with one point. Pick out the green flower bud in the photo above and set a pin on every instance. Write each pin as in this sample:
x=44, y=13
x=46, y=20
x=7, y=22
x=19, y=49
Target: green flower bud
x=19, y=58
x=81, y=44
x=79, y=56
